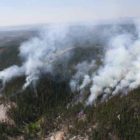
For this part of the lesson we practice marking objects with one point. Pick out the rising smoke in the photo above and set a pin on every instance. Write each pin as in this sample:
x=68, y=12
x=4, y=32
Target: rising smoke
x=54, y=44
x=104, y=58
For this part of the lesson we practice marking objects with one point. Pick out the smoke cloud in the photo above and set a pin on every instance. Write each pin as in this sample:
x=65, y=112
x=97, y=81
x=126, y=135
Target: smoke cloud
x=104, y=58
x=120, y=69
x=39, y=54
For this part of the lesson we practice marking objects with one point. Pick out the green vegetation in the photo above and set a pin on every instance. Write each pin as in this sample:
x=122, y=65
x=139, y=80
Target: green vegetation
x=38, y=116
x=52, y=108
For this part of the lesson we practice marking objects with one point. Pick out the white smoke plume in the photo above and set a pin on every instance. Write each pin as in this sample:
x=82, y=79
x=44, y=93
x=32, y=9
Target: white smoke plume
x=114, y=68
x=11, y=72
x=39, y=53
x=81, y=78
x=120, y=71
x=36, y=55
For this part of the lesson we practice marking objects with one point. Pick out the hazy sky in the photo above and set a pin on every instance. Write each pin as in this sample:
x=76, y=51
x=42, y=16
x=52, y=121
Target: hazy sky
x=20, y=12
